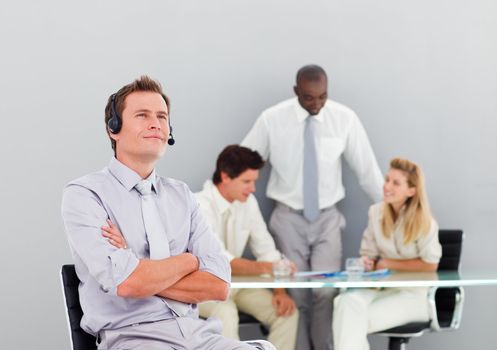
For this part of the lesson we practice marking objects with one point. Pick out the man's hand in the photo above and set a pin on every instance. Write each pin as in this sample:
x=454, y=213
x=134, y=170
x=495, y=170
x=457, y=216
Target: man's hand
x=283, y=303
x=293, y=267
x=114, y=236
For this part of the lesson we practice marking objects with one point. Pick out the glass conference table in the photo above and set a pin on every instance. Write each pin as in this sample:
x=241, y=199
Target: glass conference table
x=394, y=279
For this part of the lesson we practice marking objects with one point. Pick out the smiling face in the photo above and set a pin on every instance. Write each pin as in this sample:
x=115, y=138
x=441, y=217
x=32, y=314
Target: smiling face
x=396, y=190
x=240, y=187
x=312, y=94
x=145, y=128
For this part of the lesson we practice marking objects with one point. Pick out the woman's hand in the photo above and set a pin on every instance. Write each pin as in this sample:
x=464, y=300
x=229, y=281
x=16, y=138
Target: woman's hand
x=369, y=263
x=382, y=264
x=113, y=235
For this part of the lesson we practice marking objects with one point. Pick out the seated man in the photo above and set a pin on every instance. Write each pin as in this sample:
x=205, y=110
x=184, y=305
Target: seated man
x=143, y=295
x=233, y=213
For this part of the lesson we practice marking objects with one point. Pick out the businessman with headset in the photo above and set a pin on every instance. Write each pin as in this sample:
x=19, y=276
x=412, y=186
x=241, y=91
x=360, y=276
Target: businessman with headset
x=141, y=292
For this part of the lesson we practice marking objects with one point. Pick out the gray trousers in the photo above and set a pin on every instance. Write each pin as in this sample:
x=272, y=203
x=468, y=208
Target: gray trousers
x=177, y=333
x=312, y=246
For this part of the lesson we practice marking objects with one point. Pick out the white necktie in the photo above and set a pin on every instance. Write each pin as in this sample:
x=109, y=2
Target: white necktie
x=158, y=244
x=311, y=179
x=228, y=231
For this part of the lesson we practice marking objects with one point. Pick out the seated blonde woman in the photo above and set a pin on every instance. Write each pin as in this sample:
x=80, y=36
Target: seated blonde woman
x=401, y=235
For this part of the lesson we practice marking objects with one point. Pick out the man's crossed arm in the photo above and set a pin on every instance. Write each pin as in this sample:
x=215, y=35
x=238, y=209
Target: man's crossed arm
x=177, y=277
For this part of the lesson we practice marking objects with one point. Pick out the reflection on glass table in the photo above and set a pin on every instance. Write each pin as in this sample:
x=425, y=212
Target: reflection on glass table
x=394, y=279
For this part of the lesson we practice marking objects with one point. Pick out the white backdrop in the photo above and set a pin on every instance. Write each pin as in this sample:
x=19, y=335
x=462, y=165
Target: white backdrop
x=422, y=76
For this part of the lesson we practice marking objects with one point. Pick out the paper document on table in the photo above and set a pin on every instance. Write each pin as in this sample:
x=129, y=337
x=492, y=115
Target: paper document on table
x=324, y=274
x=375, y=273
x=313, y=273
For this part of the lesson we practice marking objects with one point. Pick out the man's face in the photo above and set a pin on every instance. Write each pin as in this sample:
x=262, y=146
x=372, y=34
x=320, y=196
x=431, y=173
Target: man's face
x=145, y=127
x=311, y=94
x=241, y=186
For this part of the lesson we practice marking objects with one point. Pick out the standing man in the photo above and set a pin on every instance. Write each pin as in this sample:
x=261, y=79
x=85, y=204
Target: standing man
x=304, y=139
x=232, y=211
x=143, y=295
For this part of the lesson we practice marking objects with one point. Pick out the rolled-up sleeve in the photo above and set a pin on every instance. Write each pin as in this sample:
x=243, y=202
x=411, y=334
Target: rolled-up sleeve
x=205, y=246
x=369, y=246
x=84, y=214
x=258, y=137
x=429, y=246
x=261, y=243
x=360, y=156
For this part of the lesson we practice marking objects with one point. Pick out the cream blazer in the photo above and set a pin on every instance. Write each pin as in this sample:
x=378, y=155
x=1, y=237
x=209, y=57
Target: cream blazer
x=374, y=243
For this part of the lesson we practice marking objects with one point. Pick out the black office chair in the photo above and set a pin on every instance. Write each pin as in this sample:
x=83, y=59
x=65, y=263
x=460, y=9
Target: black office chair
x=80, y=340
x=445, y=302
x=248, y=320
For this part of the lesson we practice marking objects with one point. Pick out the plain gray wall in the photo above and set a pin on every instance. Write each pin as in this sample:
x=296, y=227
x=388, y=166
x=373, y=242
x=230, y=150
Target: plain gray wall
x=422, y=76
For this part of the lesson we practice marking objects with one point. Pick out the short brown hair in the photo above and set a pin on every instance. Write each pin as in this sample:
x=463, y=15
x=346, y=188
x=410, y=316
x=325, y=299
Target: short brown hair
x=144, y=83
x=234, y=160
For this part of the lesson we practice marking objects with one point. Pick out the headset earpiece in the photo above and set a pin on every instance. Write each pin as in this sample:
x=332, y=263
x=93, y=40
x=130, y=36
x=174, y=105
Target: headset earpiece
x=114, y=124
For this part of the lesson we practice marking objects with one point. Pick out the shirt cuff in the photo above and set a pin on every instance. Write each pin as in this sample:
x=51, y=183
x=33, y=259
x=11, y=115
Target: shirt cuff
x=431, y=259
x=215, y=266
x=270, y=257
x=123, y=263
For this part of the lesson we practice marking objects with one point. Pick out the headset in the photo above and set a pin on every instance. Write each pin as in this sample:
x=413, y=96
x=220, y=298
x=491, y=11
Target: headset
x=115, y=122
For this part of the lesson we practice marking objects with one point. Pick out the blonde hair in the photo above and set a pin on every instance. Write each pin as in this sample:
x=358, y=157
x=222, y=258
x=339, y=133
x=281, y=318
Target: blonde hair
x=417, y=214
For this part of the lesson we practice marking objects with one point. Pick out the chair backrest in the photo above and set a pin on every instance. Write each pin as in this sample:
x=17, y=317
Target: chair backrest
x=447, y=298
x=451, y=241
x=79, y=338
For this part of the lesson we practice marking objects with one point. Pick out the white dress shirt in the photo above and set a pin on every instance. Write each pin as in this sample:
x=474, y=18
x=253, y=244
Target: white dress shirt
x=237, y=224
x=278, y=135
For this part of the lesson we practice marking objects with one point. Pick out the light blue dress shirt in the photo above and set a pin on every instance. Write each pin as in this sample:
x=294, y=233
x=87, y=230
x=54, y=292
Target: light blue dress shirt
x=110, y=194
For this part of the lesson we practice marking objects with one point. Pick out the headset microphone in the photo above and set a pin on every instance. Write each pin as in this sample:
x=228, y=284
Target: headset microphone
x=170, y=140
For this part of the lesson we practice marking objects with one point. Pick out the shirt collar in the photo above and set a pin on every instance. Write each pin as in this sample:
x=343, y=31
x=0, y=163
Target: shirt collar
x=302, y=114
x=221, y=203
x=127, y=177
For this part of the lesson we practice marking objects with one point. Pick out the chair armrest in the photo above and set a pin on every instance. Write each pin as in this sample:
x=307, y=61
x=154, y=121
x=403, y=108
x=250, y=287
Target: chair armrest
x=437, y=306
